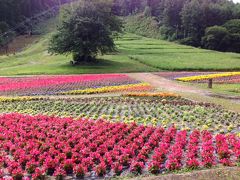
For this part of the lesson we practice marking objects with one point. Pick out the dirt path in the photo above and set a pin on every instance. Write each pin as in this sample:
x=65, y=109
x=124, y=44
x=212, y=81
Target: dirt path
x=186, y=91
x=165, y=84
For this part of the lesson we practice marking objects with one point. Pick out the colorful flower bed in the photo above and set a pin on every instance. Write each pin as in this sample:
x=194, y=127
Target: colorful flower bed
x=108, y=89
x=208, y=76
x=174, y=75
x=220, y=80
x=153, y=94
x=40, y=146
x=156, y=111
x=21, y=98
x=42, y=85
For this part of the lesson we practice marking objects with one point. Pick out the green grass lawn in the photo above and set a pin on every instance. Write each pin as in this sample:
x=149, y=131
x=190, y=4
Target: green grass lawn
x=228, y=89
x=166, y=55
x=135, y=54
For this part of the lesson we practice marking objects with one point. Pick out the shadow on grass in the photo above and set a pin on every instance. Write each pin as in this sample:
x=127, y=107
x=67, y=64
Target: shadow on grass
x=99, y=63
x=146, y=48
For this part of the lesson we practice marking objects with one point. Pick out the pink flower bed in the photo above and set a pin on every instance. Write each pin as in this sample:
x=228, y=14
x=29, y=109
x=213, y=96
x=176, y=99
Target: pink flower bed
x=55, y=84
x=36, y=146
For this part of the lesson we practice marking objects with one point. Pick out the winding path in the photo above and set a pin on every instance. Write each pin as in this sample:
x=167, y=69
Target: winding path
x=186, y=91
x=165, y=84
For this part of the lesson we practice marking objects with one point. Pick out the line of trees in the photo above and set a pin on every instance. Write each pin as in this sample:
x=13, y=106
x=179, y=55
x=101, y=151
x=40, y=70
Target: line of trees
x=20, y=16
x=15, y=11
x=188, y=21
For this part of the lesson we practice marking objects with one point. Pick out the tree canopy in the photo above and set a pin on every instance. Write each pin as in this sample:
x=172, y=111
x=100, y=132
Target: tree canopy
x=185, y=21
x=88, y=31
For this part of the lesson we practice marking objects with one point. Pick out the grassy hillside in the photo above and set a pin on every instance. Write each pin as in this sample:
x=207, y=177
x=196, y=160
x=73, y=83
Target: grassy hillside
x=166, y=55
x=135, y=54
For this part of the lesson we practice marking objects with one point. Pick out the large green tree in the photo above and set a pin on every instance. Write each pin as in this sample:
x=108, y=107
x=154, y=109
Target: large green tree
x=88, y=31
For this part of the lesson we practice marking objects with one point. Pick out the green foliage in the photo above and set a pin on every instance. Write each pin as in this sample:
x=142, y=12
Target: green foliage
x=182, y=20
x=6, y=36
x=14, y=12
x=3, y=27
x=147, y=11
x=216, y=38
x=150, y=55
x=223, y=38
x=233, y=26
x=191, y=24
x=87, y=32
x=148, y=27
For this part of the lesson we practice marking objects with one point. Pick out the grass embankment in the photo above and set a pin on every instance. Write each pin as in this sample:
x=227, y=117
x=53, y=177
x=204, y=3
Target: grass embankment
x=135, y=54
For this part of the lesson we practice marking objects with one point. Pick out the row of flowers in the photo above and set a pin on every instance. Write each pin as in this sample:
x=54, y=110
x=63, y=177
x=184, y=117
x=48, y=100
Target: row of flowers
x=153, y=94
x=41, y=85
x=108, y=89
x=183, y=113
x=220, y=80
x=208, y=76
x=21, y=98
x=40, y=146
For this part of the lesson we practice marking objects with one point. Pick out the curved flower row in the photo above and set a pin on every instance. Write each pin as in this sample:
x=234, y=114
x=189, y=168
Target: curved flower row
x=107, y=89
x=183, y=113
x=40, y=146
x=209, y=76
x=41, y=85
x=20, y=98
x=148, y=94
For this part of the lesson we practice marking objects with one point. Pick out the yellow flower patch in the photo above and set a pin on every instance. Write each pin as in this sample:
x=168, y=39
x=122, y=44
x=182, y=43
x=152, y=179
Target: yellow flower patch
x=20, y=98
x=209, y=76
x=107, y=89
x=149, y=94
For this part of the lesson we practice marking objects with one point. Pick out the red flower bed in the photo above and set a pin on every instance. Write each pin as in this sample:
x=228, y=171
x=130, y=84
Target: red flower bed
x=40, y=145
x=55, y=84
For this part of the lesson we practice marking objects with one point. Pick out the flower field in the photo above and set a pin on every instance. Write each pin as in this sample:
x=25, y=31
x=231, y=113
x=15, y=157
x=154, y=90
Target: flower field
x=50, y=85
x=155, y=111
x=200, y=77
x=208, y=76
x=136, y=131
x=153, y=94
x=36, y=146
x=110, y=89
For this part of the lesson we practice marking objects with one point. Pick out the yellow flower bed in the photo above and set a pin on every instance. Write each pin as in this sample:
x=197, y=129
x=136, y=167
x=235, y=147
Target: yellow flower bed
x=147, y=94
x=208, y=76
x=20, y=98
x=106, y=89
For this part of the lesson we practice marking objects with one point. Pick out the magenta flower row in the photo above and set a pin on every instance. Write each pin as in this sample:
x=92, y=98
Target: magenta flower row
x=55, y=84
x=39, y=146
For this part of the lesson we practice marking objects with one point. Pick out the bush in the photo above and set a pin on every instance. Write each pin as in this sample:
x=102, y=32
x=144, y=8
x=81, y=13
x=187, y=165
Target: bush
x=189, y=41
x=235, y=43
x=166, y=32
x=216, y=38
x=233, y=26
